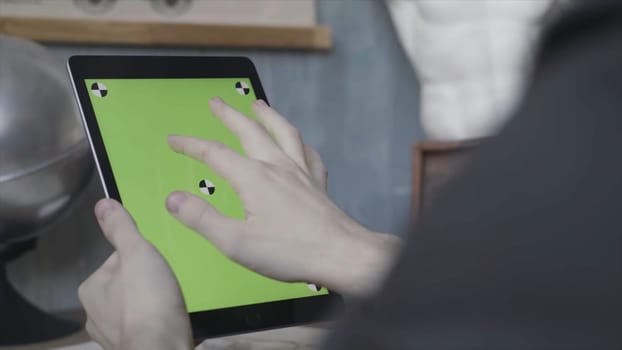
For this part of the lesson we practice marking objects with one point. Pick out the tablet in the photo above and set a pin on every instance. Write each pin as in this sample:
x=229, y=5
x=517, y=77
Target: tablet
x=129, y=105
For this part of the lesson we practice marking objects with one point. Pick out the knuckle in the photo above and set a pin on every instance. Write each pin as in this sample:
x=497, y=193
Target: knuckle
x=293, y=165
x=293, y=132
x=320, y=167
x=139, y=247
x=254, y=122
x=286, y=170
x=259, y=169
x=234, y=245
x=136, y=241
x=113, y=232
x=322, y=170
x=269, y=171
x=254, y=125
x=205, y=155
x=312, y=151
x=210, y=149
x=219, y=147
x=305, y=179
x=226, y=112
x=202, y=219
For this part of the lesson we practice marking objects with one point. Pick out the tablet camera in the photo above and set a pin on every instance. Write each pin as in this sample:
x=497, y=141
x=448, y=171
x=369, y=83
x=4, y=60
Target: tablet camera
x=242, y=88
x=207, y=187
x=99, y=89
x=314, y=287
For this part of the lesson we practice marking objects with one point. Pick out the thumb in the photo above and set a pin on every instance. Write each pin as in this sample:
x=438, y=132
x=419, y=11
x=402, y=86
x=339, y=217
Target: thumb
x=118, y=226
x=196, y=213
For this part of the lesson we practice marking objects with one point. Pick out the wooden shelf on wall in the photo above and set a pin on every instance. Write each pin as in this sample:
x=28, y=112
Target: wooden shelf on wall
x=166, y=34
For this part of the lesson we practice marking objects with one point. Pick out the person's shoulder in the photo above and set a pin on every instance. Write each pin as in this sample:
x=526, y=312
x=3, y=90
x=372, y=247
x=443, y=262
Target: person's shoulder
x=580, y=26
x=579, y=15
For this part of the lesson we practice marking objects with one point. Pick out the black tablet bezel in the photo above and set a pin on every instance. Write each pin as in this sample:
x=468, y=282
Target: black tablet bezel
x=210, y=323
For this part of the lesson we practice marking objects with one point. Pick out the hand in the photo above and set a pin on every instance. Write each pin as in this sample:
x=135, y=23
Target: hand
x=292, y=230
x=133, y=300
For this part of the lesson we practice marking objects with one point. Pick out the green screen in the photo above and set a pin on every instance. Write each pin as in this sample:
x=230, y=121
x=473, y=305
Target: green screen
x=135, y=116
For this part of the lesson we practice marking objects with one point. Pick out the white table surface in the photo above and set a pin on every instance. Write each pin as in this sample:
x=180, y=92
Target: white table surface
x=293, y=338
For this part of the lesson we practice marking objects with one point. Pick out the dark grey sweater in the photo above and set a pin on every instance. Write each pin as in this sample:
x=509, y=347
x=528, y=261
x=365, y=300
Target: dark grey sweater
x=524, y=249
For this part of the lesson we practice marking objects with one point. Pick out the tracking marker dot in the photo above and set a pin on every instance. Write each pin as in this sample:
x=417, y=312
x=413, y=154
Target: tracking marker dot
x=207, y=187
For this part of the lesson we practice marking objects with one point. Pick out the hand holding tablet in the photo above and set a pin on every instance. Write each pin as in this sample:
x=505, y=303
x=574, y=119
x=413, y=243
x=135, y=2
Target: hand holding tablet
x=254, y=190
x=136, y=268
x=133, y=300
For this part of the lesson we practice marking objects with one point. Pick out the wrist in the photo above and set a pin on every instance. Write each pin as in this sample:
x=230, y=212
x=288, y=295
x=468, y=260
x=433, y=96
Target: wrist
x=358, y=262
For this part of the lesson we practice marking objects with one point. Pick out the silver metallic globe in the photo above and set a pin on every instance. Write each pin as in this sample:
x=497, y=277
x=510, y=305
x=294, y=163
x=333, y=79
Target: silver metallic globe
x=44, y=155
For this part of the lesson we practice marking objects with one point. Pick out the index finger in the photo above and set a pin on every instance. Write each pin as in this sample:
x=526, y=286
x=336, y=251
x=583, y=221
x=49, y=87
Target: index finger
x=223, y=160
x=255, y=139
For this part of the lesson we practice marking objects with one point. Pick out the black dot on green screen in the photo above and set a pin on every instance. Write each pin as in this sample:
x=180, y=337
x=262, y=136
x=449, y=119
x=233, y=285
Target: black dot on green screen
x=207, y=187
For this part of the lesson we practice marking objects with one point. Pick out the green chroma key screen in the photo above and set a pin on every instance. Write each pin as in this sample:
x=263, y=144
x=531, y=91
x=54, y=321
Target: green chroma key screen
x=135, y=116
